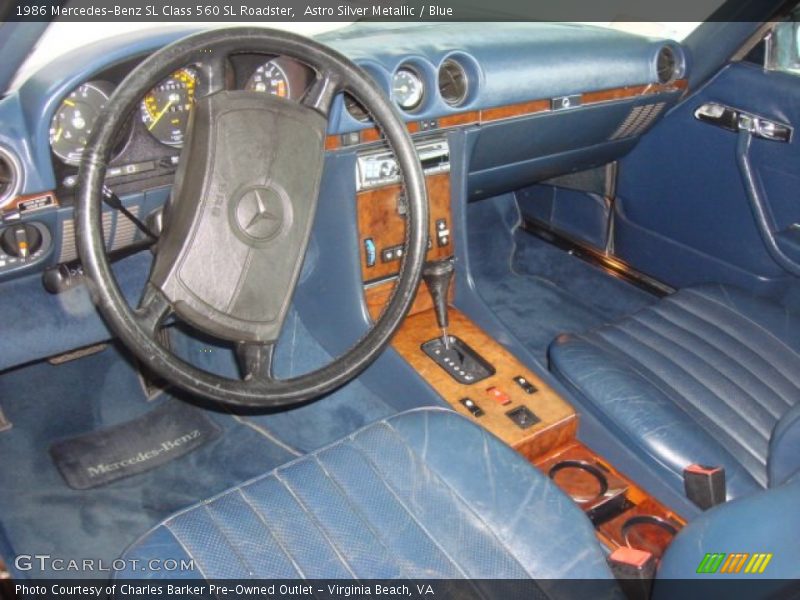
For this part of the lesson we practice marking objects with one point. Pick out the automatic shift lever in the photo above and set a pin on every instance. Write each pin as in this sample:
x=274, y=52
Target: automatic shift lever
x=437, y=276
x=451, y=353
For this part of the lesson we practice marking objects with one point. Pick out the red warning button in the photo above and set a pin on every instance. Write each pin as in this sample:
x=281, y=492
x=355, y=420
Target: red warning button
x=498, y=395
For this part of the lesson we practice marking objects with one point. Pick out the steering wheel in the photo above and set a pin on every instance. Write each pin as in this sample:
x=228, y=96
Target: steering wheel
x=238, y=221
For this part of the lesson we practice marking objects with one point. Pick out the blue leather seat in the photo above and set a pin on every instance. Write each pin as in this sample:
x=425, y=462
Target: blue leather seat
x=427, y=494
x=423, y=494
x=709, y=375
x=764, y=522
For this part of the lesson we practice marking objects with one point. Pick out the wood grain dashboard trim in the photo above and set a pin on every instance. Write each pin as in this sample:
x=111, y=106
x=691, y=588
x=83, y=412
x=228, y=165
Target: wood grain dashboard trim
x=522, y=109
x=376, y=297
x=379, y=220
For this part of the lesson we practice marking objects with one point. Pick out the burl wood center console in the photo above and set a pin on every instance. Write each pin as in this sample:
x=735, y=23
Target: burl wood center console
x=508, y=399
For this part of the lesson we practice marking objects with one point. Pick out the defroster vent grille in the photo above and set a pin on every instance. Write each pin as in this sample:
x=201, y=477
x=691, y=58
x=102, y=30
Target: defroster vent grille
x=638, y=120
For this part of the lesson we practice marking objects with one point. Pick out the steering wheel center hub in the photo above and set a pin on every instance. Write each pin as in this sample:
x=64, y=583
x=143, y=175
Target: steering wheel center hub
x=260, y=213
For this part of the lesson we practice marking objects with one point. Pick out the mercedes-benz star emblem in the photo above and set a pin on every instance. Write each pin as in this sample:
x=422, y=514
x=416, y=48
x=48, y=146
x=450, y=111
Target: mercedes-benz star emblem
x=262, y=214
x=259, y=213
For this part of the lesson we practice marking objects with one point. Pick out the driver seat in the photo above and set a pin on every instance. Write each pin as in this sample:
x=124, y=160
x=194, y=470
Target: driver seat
x=427, y=494
x=423, y=494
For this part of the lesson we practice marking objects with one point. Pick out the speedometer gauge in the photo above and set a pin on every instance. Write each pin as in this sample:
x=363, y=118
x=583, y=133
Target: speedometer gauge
x=72, y=123
x=407, y=88
x=165, y=109
x=270, y=78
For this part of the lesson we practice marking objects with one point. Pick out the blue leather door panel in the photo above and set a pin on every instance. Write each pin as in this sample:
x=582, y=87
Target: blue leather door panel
x=683, y=213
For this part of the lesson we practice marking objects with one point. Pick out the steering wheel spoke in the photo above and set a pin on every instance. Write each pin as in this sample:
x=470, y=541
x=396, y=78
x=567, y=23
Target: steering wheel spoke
x=320, y=95
x=255, y=360
x=215, y=69
x=153, y=310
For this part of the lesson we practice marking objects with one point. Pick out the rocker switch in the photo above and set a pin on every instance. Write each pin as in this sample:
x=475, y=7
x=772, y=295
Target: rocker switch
x=442, y=233
x=526, y=385
x=472, y=407
x=369, y=251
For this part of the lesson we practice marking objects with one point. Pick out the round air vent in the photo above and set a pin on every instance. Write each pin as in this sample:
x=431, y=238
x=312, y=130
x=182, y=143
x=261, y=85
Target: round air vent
x=356, y=109
x=9, y=177
x=666, y=65
x=453, y=82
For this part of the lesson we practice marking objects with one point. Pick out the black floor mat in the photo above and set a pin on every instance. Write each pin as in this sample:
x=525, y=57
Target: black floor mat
x=161, y=435
x=41, y=514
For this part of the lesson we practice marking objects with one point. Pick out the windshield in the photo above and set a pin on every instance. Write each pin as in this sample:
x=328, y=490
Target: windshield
x=674, y=31
x=61, y=37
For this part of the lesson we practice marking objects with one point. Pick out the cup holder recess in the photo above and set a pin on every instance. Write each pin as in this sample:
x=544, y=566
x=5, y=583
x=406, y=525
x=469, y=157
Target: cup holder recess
x=588, y=485
x=648, y=532
x=605, y=497
x=580, y=477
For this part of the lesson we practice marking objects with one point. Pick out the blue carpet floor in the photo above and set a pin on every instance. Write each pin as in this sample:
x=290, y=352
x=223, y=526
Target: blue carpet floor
x=536, y=289
x=42, y=515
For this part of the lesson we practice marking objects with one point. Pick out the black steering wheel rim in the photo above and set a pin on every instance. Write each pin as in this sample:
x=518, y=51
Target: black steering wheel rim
x=127, y=324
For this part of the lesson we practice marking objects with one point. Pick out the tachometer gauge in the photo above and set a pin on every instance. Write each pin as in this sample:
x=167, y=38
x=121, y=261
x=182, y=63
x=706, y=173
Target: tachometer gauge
x=407, y=88
x=165, y=109
x=73, y=121
x=270, y=78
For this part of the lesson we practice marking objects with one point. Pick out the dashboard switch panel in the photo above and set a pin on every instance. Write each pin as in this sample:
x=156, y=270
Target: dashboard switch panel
x=442, y=233
x=379, y=220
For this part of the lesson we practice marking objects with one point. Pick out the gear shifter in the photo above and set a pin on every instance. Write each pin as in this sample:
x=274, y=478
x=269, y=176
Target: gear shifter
x=452, y=354
x=438, y=276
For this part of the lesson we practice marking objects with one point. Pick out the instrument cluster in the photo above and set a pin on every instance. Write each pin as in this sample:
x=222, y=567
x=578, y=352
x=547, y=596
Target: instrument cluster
x=163, y=114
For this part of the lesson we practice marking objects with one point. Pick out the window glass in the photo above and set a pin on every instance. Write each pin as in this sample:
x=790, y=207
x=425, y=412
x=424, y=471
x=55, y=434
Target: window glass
x=784, y=47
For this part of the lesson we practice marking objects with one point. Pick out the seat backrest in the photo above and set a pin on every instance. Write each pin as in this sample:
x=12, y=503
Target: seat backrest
x=783, y=461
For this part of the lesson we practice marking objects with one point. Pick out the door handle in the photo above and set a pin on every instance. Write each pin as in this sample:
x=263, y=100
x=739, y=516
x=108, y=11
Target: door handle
x=736, y=120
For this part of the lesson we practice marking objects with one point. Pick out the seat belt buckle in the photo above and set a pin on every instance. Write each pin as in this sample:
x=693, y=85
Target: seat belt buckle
x=635, y=570
x=704, y=485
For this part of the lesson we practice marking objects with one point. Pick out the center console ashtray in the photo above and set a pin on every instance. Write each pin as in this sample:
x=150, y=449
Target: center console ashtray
x=587, y=484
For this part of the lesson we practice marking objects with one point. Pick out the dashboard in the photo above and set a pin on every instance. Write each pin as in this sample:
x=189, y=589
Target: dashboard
x=490, y=111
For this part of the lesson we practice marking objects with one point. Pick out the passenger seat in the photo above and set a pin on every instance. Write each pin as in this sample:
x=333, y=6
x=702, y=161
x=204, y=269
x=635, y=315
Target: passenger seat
x=709, y=375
